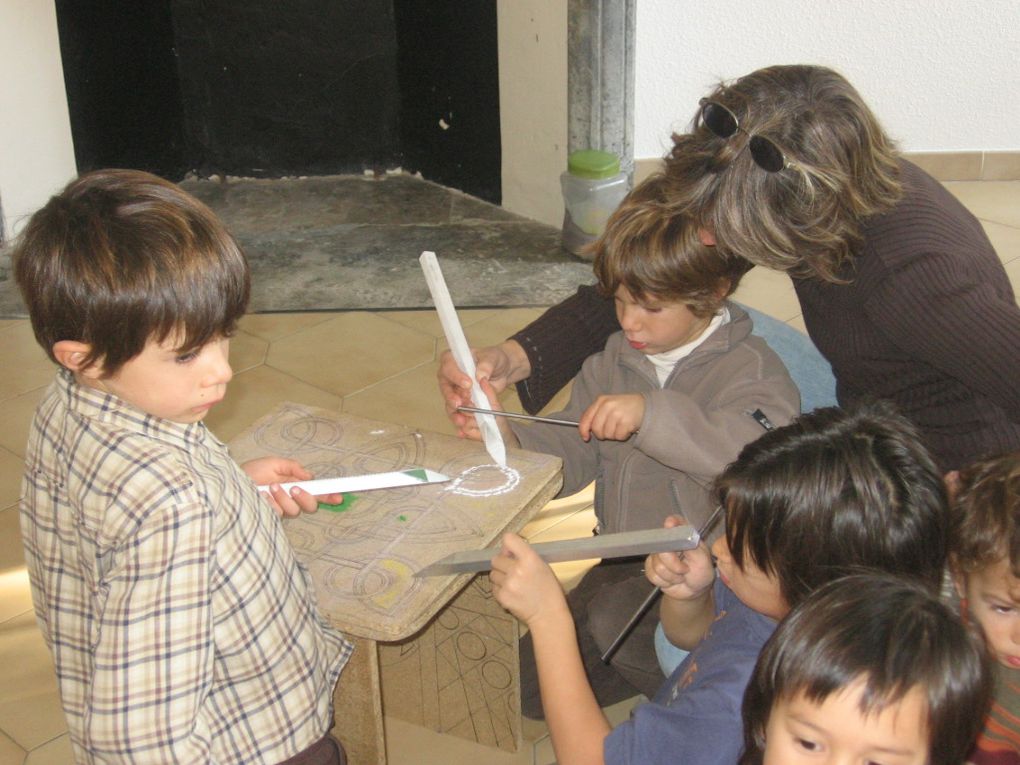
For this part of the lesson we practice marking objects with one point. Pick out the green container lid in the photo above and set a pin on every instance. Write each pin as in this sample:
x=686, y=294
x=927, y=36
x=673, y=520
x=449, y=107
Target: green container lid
x=594, y=164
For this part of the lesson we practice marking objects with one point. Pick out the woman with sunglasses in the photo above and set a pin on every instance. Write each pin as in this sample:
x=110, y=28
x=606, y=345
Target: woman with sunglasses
x=899, y=286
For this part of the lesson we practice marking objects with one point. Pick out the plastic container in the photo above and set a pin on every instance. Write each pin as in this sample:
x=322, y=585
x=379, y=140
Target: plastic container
x=593, y=187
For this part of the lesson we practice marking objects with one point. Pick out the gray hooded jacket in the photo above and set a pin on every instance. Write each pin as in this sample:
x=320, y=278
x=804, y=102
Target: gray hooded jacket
x=693, y=426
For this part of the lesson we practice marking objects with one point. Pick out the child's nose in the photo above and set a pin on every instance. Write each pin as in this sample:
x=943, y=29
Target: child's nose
x=1015, y=632
x=219, y=371
x=629, y=319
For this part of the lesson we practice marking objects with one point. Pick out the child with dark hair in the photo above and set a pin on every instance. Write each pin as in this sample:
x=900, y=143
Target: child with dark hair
x=984, y=557
x=181, y=625
x=831, y=494
x=663, y=408
x=867, y=669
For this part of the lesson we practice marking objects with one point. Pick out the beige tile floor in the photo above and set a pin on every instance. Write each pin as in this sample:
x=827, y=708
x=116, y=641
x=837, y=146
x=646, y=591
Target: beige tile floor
x=379, y=365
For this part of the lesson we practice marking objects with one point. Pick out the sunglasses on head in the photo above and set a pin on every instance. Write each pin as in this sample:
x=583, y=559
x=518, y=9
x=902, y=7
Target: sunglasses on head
x=723, y=123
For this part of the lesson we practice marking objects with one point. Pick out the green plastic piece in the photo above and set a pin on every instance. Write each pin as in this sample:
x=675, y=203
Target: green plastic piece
x=342, y=507
x=593, y=164
x=418, y=473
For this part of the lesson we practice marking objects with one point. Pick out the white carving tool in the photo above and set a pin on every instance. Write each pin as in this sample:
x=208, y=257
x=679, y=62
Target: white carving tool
x=462, y=354
x=352, y=483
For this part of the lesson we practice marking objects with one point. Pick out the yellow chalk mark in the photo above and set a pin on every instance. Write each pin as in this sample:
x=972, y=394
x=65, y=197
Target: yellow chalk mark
x=400, y=574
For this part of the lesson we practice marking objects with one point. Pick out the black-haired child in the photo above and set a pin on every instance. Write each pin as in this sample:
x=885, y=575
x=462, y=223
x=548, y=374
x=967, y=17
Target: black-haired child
x=831, y=493
x=868, y=669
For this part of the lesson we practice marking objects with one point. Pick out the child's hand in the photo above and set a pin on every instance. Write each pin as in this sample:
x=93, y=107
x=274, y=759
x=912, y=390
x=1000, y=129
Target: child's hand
x=613, y=418
x=523, y=583
x=681, y=576
x=277, y=470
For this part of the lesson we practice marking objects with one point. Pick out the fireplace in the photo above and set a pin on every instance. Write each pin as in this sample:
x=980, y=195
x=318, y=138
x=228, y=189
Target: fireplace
x=268, y=89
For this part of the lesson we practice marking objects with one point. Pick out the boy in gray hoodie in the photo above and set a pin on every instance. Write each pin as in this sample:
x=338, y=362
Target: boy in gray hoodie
x=663, y=409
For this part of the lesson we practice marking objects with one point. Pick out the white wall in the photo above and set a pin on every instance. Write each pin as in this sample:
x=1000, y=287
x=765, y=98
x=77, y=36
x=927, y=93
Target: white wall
x=533, y=105
x=942, y=75
x=36, y=153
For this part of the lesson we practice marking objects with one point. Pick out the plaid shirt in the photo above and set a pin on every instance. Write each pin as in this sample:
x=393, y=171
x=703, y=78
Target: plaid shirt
x=181, y=625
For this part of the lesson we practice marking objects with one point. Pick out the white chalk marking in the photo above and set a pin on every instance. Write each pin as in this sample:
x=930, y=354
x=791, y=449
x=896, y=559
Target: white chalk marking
x=511, y=476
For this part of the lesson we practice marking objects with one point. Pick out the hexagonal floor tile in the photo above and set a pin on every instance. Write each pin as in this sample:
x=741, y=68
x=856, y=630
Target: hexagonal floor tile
x=351, y=352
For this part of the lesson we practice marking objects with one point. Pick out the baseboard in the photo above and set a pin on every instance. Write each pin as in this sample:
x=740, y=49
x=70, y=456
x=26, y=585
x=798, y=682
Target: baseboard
x=943, y=165
x=968, y=165
x=645, y=167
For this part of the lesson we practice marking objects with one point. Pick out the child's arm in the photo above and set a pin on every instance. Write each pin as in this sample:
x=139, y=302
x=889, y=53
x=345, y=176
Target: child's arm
x=525, y=585
x=687, y=609
x=277, y=470
x=701, y=437
x=154, y=645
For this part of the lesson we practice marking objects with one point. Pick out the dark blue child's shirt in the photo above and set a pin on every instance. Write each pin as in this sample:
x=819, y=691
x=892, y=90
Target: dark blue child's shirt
x=694, y=719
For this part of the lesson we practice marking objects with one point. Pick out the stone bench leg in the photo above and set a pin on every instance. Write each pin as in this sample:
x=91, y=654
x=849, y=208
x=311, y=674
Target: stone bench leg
x=357, y=706
x=461, y=674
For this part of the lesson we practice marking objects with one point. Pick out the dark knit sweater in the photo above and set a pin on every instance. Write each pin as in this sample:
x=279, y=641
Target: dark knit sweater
x=929, y=321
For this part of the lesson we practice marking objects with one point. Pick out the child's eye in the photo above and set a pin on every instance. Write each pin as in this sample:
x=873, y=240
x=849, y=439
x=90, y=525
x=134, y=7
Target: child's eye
x=184, y=358
x=806, y=744
x=1002, y=609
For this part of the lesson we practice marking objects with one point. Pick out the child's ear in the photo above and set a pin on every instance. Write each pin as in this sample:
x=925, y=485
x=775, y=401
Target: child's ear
x=72, y=354
x=723, y=288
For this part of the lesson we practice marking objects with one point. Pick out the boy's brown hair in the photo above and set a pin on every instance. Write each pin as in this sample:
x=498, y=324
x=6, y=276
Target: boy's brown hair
x=121, y=257
x=985, y=519
x=653, y=251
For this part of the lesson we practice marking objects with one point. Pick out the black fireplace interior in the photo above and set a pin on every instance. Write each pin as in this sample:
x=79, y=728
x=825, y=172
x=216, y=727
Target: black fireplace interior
x=268, y=89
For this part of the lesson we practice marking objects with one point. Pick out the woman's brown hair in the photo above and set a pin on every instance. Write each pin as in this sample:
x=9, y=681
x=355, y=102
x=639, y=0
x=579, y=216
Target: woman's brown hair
x=805, y=219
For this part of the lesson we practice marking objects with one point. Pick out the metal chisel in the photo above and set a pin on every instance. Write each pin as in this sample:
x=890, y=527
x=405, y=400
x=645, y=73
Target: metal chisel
x=516, y=415
x=603, y=546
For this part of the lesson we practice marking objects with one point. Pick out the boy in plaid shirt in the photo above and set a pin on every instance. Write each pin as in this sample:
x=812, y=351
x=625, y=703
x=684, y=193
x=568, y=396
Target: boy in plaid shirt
x=182, y=627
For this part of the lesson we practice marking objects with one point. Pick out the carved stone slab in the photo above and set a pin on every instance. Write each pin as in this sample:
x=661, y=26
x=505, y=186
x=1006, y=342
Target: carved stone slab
x=362, y=560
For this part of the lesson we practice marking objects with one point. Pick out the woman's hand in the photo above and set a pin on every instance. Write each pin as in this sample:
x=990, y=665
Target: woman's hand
x=501, y=365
